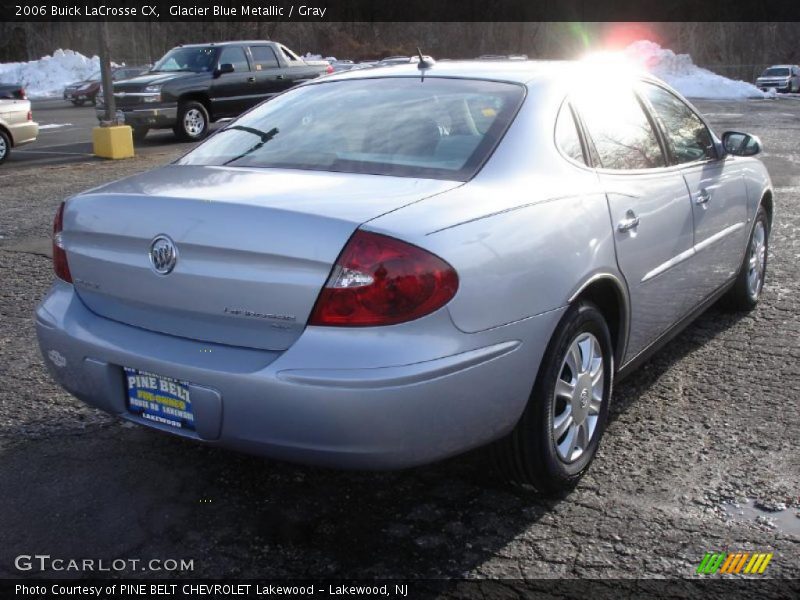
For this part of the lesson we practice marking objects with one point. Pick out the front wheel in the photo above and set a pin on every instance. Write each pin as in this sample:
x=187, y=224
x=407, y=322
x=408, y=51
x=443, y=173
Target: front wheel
x=193, y=121
x=78, y=102
x=559, y=432
x=745, y=293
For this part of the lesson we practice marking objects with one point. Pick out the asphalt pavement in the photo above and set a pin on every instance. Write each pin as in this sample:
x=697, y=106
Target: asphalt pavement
x=65, y=136
x=701, y=454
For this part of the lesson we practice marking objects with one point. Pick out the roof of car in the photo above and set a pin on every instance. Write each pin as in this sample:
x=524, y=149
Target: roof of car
x=515, y=71
x=228, y=43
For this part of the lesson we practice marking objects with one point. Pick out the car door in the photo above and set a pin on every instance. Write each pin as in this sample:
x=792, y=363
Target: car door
x=233, y=93
x=716, y=187
x=649, y=210
x=271, y=77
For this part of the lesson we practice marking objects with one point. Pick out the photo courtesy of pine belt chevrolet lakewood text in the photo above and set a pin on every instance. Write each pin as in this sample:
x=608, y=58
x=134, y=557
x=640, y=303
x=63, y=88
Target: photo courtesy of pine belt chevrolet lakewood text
x=386, y=267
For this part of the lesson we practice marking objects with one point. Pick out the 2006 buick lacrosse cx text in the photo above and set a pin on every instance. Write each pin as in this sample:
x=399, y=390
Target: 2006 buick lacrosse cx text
x=391, y=266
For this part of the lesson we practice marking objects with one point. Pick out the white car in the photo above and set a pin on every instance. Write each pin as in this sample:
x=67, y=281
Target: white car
x=17, y=126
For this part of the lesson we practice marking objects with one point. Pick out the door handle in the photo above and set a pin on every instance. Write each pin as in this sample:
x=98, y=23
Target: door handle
x=279, y=77
x=631, y=221
x=251, y=80
x=703, y=196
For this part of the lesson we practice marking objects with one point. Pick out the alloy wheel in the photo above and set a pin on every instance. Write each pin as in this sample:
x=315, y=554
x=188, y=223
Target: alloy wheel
x=757, y=260
x=194, y=123
x=578, y=397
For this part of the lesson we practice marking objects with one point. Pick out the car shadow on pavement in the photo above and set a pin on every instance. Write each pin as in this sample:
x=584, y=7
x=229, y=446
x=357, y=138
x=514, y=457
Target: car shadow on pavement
x=120, y=491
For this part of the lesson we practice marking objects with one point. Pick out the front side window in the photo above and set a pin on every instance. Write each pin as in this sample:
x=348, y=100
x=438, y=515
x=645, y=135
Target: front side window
x=404, y=126
x=620, y=129
x=235, y=56
x=689, y=138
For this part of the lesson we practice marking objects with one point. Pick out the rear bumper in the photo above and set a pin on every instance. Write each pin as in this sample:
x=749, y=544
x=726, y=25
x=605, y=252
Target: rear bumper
x=159, y=117
x=24, y=133
x=312, y=403
x=71, y=95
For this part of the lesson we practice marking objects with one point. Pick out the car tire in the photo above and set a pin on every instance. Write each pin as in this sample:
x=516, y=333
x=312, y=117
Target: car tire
x=746, y=291
x=78, y=102
x=193, y=122
x=531, y=454
x=5, y=146
x=140, y=132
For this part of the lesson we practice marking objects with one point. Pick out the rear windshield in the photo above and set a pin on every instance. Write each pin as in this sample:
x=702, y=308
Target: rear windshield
x=433, y=128
x=776, y=72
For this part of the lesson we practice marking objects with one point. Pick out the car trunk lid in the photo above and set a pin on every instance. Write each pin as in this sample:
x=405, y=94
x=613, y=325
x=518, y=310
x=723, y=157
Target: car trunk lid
x=254, y=247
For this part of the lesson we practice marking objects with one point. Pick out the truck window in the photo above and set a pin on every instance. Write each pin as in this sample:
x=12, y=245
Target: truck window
x=235, y=56
x=263, y=57
x=290, y=56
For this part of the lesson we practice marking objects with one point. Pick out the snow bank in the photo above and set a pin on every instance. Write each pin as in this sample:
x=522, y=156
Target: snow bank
x=48, y=76
x=692, y=81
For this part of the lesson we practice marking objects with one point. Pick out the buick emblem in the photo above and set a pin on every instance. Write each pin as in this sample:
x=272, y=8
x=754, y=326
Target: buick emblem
x=163, y=254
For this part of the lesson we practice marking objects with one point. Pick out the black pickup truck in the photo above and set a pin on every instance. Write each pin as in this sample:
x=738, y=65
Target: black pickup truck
x=195, y=85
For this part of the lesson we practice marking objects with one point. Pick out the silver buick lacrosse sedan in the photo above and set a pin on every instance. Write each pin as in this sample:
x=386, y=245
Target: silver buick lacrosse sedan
x=387, y=267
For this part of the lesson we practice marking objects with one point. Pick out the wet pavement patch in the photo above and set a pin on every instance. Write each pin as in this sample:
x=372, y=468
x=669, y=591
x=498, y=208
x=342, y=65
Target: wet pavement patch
x=775, y=516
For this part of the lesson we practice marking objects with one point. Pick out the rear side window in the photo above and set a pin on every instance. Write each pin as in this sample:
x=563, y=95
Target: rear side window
x=404, y=126
x=567, y=138
x=689, y=138
x=235, y=56
x=620, y=129
x=263, y=57
x=289, y=55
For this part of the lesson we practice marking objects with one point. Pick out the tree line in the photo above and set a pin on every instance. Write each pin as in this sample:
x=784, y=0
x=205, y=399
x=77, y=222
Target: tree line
x=738, y=50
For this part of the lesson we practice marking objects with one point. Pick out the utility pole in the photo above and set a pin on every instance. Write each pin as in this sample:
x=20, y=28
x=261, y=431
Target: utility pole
x=110, y=139
x=105, y=73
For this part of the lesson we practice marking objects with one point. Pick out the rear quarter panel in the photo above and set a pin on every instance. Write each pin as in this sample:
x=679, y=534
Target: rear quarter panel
x=524, y=235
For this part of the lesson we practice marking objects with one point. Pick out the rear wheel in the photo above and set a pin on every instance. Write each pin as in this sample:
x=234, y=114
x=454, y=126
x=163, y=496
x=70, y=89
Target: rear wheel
x=557, y=436
x=5, y=146
x=746, y=291
x=193, y=122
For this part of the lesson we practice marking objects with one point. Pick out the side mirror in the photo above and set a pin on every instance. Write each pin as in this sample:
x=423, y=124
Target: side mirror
x=224, y=68
x=741, y=144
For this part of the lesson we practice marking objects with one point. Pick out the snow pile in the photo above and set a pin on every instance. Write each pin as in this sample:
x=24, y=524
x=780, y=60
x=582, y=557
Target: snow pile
x=692, y=81
x=48, y=76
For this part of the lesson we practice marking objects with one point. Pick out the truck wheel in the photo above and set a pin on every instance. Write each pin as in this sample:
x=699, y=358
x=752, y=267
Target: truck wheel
x=193, y=120
x=5, y=146
x=140, y=132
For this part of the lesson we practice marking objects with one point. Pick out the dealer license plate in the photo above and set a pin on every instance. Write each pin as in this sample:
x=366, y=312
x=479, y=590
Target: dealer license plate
x=159, y=399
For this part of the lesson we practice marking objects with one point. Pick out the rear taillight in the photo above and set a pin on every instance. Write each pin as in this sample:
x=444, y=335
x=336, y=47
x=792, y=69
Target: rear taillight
x=379, y=280
x=329, y=69
x=30, y=116
x=60, y=265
